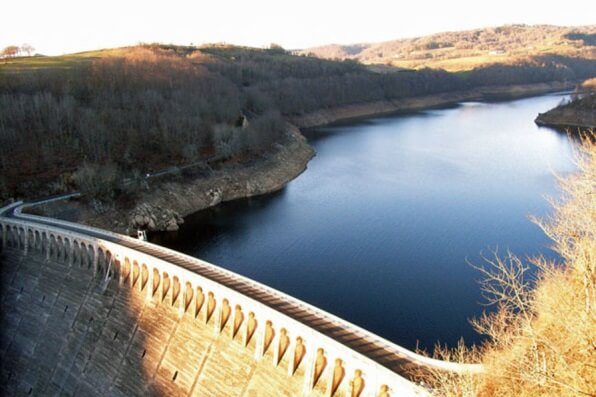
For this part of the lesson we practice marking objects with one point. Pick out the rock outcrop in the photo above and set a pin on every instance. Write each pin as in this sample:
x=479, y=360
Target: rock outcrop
x=150, y=217
x=177, y=199
x=164, y=205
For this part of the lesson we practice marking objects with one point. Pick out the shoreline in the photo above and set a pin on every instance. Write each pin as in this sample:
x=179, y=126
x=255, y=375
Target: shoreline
x=407, y=105
x=567, y=119
x=167, y=202
x=165, y=205
x=562, y=125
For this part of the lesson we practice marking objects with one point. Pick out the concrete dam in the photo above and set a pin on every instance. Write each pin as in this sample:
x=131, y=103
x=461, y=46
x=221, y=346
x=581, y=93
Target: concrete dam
x=87, y=312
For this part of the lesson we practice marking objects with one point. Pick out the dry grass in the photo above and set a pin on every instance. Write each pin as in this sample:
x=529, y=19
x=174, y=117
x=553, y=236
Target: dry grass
x=589, y=84
x=453, y=64
x=458, y=61
x=542, y=336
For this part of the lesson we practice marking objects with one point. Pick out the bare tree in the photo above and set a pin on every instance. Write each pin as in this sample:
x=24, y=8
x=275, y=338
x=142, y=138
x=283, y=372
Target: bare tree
x=541, y=335
x=27, y=49
x=10, y=51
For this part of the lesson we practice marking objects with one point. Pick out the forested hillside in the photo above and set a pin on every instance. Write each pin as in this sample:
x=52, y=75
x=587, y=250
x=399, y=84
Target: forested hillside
x=99, y=118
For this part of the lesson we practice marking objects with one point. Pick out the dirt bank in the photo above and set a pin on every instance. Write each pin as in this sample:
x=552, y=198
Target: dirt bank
x=328, y=116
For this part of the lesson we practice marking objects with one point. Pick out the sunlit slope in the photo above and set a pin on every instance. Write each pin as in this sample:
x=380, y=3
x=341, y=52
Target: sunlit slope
x=466, y=50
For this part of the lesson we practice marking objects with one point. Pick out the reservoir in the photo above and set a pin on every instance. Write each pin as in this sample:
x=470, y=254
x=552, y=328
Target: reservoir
x=384, y=226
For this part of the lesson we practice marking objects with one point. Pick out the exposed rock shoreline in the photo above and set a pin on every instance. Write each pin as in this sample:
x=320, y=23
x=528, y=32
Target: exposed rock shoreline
x=164, y=206
x=356, y=111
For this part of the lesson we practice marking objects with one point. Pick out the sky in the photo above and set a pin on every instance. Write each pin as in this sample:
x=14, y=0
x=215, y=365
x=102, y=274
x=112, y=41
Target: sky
x=65, y=26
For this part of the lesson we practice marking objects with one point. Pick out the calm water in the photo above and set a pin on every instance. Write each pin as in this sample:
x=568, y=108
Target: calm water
x=380, y=227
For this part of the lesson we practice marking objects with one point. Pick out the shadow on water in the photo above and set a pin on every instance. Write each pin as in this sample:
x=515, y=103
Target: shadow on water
x=199, y=229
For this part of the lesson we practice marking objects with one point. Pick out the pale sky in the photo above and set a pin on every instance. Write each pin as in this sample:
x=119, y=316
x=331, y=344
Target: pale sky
x=64, y=26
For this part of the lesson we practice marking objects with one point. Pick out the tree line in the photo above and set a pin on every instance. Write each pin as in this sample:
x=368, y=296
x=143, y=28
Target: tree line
x=14, y=50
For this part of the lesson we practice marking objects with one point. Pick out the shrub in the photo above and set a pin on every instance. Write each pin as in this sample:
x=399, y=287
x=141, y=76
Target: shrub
x=97, y=181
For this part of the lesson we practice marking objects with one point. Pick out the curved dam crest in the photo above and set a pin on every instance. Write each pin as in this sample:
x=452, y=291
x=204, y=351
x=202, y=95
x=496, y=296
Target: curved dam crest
x=90, y=312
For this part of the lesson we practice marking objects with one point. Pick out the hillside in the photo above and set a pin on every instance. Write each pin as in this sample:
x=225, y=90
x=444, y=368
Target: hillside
x=466, y=50
x=100, y=122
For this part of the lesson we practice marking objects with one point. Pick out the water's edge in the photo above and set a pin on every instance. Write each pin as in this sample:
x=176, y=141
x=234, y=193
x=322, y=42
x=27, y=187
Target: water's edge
x=265, y=176
x=283, y=169
x=408, y=105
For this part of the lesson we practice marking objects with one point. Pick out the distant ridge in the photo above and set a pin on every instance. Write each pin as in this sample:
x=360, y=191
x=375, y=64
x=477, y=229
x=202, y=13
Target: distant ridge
x=468, y=49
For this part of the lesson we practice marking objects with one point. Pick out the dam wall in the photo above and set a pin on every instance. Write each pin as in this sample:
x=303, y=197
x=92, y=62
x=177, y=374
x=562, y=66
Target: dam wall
x=89, y=312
